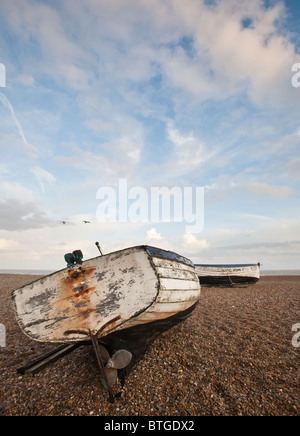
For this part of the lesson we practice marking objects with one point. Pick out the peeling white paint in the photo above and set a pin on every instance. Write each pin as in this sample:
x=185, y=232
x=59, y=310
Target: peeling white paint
x=131, y=284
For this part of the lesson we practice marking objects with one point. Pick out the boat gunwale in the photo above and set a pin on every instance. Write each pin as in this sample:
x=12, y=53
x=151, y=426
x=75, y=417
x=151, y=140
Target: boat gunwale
x=244, y=265
x=143, y=246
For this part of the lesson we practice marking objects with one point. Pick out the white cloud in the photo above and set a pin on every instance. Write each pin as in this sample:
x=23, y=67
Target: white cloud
x=153, y=235
x=99, y=165
x=292, y=168
x=20, y=215
x=99, y=125
x=194, y=245
x=189, y=152
x=251, y=238
x=229, y=58
x=25, y=79
x=144, y=89
x=44, y=26
x=9, y=245
x=227, y=187
x=132, y=42
x=264, y=189
x=118, y=156
x=15, y=191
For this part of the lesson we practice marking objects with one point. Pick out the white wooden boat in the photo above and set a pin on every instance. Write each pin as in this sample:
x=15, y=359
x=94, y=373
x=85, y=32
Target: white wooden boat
x=120, y=302
x=228, y=275
x=117, y=291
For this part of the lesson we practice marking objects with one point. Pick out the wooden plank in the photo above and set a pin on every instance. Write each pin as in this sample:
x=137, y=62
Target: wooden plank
x=165, y=263
x=177, y=296
x=174, y=273
x=179, y=284
x=41, y=362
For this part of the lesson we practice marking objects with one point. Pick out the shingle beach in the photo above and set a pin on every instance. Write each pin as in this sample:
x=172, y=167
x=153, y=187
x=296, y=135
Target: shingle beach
x=233, y=356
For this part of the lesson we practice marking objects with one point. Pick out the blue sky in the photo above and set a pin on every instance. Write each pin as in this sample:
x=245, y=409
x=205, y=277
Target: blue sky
x=160, y=93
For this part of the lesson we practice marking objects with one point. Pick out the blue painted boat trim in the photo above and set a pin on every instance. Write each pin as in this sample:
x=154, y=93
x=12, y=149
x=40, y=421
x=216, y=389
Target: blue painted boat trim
x=163, y=254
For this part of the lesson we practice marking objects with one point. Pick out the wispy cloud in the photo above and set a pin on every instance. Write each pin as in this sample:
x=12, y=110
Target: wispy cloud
x=162, y=93
x=43, y=177
x=30, y=149
x=263, y=189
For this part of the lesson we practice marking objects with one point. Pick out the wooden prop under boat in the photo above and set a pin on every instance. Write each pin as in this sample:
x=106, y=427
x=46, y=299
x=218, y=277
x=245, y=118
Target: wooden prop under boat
x=228, y=275
x=122, y=300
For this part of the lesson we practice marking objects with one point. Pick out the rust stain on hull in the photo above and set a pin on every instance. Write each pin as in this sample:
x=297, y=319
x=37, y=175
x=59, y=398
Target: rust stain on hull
x=74, y=306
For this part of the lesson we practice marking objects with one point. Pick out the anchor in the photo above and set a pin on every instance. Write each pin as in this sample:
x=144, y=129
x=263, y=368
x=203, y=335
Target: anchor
x=108, y=365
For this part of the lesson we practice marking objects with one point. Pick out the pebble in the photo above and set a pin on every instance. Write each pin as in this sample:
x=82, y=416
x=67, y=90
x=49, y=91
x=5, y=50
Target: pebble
x=217, y=362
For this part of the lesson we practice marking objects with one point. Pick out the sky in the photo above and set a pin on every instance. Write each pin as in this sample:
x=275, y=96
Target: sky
x=196, y=96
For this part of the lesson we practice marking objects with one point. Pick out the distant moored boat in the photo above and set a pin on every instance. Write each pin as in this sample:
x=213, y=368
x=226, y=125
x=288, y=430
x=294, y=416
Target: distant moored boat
x=228, y=275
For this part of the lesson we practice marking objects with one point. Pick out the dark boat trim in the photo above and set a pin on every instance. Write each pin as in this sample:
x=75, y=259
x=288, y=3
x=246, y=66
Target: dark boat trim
x=163, y=254
x=228, y=281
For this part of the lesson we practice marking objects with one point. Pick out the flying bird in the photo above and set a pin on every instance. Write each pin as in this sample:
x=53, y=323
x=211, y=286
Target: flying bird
x=87, y=222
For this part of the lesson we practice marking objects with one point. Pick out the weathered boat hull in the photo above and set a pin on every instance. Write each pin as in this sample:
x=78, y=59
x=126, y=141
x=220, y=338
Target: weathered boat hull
x=228, y=275
x=119, y=291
